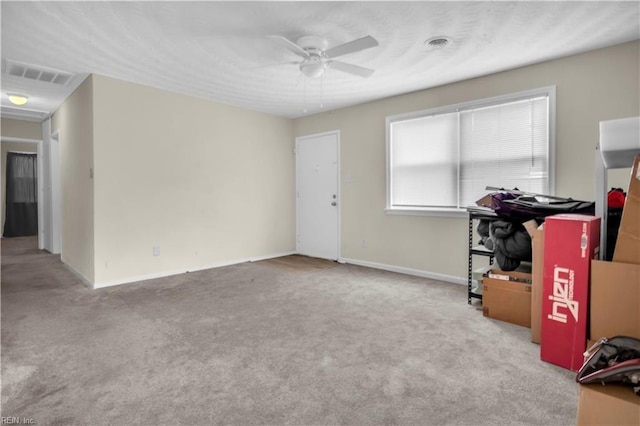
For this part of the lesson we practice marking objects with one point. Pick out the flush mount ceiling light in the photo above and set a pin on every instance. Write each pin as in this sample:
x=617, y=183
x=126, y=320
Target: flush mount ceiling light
x=439, y=42
x=18, y=99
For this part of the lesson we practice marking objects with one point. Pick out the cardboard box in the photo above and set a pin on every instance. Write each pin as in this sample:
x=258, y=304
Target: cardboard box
x=484, y=201
x=570, y=242
x=628, y=243
x=537, y=240
x=615, y=300
x=506, y=296
x=608, y=405
x=531, y=226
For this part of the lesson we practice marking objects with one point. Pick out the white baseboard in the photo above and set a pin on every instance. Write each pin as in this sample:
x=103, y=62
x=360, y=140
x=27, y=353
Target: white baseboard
x=403, y=270
x=271, y=256
x=374, y=265
x=77, y=273
x=163, y=274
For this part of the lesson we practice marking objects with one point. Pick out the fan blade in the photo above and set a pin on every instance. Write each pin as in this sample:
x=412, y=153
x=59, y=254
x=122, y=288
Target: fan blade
x=351, y=47
x=350, y=68
x=288, y=44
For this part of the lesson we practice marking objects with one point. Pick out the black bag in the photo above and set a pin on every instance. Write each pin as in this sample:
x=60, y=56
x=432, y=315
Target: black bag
x=613, y=360
x=526, y=207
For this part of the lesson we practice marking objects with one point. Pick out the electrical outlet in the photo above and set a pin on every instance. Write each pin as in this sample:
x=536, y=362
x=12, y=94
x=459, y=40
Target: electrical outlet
x=156, y=250
x=363, y=243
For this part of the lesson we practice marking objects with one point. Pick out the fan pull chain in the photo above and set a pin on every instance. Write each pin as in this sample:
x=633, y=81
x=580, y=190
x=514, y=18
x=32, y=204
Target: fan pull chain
x=321, y=91
x=305, y=96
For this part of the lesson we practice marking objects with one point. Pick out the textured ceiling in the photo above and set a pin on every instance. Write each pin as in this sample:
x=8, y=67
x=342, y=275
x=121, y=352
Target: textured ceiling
x=219, y=50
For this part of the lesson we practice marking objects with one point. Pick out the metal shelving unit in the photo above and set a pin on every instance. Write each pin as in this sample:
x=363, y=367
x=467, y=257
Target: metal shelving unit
x=478, y=250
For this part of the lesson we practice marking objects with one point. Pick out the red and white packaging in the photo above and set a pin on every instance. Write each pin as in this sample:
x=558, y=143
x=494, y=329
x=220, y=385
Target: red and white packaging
x=570, y=242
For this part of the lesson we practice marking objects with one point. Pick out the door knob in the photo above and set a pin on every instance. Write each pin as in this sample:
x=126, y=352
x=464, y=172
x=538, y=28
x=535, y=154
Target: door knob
x=333, y=203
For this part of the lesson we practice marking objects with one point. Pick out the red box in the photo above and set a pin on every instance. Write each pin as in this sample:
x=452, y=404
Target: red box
x=570, y=242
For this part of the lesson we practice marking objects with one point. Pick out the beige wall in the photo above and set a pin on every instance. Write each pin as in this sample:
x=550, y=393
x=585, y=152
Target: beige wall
x=591, y=87
x=208, y=183
x=20, y=129
x=74, y=121
x=211, y=184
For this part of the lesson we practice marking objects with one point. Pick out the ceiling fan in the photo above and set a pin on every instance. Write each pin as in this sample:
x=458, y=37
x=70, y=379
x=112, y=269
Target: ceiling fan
x=317, y=58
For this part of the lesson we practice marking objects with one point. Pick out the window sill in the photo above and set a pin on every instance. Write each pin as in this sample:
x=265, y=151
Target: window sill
x=462, y=213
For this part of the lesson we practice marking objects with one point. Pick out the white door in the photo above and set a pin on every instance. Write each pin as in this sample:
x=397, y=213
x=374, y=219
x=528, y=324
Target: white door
x=317, y=195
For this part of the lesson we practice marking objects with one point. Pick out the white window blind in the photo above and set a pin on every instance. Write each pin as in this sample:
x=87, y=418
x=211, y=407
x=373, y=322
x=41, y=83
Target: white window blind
x=505, y=146
x=423, y=161
x=446, y=159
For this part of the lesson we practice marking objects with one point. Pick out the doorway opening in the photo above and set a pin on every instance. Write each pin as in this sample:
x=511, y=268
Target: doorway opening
x=28, y=147
x=21, y=195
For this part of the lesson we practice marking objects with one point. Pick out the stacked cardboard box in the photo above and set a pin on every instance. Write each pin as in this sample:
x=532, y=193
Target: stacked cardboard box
x=628, y=242
x=608, y=405
x=506, y=296
x=615, y=311
x=615, y=299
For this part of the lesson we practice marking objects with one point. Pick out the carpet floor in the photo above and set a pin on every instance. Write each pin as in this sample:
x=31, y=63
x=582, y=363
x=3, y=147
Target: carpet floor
x=289, y=341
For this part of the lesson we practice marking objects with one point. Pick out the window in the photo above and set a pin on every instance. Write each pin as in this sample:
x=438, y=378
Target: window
x=442, y=160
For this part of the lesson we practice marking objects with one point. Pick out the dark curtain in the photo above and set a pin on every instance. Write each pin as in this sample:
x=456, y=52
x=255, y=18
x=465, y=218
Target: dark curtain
x=21, y=218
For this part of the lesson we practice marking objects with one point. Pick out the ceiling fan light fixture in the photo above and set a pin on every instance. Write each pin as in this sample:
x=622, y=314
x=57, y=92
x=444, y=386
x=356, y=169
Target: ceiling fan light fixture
x=18, y=99
x=312, y=68
x=316, y=58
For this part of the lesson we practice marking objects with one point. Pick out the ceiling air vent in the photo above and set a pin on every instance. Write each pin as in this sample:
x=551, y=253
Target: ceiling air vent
x=35, y=72
x=439, y=42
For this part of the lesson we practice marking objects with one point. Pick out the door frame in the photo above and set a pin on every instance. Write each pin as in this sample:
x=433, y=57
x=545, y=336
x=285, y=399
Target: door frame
x=338, y=189
x=56, y=193
x=40, y=183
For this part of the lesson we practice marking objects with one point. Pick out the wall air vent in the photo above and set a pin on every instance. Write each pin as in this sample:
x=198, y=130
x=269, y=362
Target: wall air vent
x=36, y=72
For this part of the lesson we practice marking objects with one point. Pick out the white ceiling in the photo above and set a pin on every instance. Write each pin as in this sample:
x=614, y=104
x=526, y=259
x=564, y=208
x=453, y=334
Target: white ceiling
x=219, y=50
